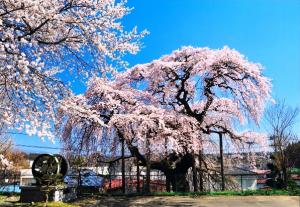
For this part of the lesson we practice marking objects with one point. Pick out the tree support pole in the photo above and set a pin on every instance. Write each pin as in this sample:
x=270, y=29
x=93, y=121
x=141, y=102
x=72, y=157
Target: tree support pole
x=148, y=170
x=200, y=172
x=123, y=165
x=138, y=176
x=195, y=183
x=222, y=163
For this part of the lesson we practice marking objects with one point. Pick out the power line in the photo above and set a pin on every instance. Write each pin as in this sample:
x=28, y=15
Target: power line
x=44, y=147
x=35, y=146
x=21, y=133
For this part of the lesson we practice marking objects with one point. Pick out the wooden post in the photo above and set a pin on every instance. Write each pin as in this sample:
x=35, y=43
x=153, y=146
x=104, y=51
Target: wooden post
x=242, y=183
x=138, y=176
x=222, y=164
x=208, y=181
x=123, y=166
x=148, y=179
x=200, y=172
x=195, y=184
x=14, y=183
x=109, y=175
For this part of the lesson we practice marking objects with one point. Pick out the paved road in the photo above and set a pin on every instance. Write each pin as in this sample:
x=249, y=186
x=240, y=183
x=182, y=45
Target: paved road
x=217, y=201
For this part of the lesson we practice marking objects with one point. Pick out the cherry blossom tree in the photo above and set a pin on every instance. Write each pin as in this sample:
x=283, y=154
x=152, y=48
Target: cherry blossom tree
x=5, y=163
x=5, y=146
x=45, y=41
x=168, y=110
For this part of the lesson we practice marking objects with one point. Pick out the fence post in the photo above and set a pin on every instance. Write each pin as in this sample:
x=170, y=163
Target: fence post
x=242, y=183
x=143, y=183
x=79, y=183
x=109, y=176
x=138, y=176
x=14, y=183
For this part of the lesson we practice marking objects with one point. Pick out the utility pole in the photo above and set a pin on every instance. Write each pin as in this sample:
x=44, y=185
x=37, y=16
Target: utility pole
x=221, y=160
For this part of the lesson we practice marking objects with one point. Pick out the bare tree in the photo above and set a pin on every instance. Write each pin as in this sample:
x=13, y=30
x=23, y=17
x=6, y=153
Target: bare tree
x=281, y=119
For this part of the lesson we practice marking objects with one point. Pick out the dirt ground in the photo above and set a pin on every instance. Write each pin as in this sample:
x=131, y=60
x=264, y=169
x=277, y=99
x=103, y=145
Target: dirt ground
x=206, y=201
x=178, y=201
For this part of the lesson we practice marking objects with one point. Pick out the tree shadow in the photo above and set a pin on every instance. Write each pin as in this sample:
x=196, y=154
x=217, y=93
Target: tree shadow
x=141, y=202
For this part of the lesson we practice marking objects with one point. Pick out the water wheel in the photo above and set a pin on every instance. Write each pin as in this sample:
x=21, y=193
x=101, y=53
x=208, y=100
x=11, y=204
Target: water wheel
x=49, y=169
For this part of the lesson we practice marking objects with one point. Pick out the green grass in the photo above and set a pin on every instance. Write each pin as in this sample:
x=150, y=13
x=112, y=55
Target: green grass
x=50, y=204
x=295, y=171
x=231, y=193
x=273, y=192
x=9, y=194
x=12, y=200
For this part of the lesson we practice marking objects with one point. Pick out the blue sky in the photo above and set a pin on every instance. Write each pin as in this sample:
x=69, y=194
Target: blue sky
x=266, y=31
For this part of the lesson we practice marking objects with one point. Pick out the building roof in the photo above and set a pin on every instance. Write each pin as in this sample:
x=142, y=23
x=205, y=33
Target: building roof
x=261, y=181
x=262, y=172
x=235, y=171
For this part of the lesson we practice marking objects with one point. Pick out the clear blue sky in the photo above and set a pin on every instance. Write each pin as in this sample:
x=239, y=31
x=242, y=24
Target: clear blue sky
x=266, y=31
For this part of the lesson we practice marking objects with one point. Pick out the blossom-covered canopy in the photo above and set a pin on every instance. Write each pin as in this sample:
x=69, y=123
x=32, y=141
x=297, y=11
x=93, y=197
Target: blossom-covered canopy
x=176, y=102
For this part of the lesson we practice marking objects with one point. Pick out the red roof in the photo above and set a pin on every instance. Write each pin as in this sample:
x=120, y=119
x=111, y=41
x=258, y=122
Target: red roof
x=262, y=172
x=117, y=183
x=261, y=181
x=295, y=177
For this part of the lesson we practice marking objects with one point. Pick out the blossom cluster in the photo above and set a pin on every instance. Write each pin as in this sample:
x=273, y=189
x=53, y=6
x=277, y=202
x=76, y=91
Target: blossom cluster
x=4, y=163
x=42, y=42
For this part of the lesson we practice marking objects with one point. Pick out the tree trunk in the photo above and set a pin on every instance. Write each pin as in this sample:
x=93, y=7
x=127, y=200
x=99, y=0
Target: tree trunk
x=200, y=172
x=176, y=180
x=201, y=181
x=179, y=183
x=168, y=184
x=285, y=177
x=176, y=176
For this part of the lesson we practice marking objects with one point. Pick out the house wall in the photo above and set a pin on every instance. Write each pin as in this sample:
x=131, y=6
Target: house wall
x=27, y=178
x=247, y=182
x=260, y=186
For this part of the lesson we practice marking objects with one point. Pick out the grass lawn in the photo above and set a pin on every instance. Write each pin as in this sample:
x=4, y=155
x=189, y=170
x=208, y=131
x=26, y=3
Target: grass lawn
x=13, y=200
